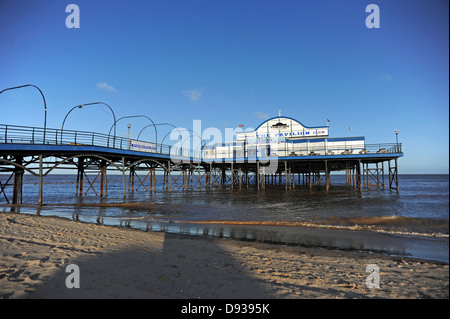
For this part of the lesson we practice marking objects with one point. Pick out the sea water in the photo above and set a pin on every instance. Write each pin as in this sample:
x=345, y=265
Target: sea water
x=412, y=223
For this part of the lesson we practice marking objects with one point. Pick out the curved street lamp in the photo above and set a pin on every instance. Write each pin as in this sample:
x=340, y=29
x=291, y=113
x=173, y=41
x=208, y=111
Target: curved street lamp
x=43, y=98
x=202, y=142
x=83, y=105
x=132, y=116
x=155, y=126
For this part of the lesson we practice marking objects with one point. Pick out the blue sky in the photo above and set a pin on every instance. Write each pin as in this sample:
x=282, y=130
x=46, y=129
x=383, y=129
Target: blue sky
x=235, y=62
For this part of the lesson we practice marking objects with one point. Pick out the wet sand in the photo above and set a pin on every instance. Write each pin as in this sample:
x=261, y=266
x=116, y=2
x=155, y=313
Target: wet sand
x=119, y=262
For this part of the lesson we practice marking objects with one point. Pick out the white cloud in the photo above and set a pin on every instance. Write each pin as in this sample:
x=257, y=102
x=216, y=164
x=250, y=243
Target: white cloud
x=387, y=77
x=193, y=95
x=261, y=115
x=105, y=86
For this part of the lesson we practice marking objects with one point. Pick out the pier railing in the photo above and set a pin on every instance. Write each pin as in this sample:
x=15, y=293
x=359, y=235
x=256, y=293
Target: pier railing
x=362, y=148
x=287, y=150
x=13, y=134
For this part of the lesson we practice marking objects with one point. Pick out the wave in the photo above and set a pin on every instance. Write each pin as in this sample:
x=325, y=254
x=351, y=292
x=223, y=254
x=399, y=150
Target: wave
x=395, y=225
x=323, y=226
x=356, y=227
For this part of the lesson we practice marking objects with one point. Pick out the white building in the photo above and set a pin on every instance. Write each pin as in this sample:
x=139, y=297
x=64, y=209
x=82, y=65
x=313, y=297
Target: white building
x=284, y=136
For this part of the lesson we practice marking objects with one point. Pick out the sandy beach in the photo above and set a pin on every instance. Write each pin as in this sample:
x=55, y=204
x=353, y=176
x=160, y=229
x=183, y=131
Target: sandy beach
x=118, y=262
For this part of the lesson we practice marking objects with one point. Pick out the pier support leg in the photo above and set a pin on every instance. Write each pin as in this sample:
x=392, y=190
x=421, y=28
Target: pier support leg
x=240, y=178
x=289, y=178
x=310, y=178
x=293, y=178
x=263, y=181
x=353, y=177
x=285, y=175
x=224, y=176
x=232, y=176
x=18, y=183
x=366, y=175
x=358, y=176
x=327, y=176
x=246, y=177
x=257, y=174
x=103, y=181
x=396, y=176
x=123, y=177
x=169, y=177
x=166, y=180
x=78, y=183
x=393, y=176
x=210, y=176
x=378, y=176
x=41, y=178
x=80, y=177
x=131, y=179
x=151, y=180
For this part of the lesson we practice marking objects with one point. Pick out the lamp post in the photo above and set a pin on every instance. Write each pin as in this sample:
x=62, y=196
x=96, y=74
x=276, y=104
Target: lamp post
x=396, y=138
x=43, y=98
x=83, y=105
x=129, y=144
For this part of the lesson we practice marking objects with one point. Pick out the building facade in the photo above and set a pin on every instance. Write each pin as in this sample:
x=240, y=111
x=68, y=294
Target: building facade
x=284, y=136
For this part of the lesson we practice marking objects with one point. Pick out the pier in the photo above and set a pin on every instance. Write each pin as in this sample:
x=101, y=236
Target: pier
x=40, y=151
x=280, y=151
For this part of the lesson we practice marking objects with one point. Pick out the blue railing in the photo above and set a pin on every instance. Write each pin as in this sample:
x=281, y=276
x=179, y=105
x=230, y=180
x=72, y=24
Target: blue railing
x=288, y=150
x=14, y=134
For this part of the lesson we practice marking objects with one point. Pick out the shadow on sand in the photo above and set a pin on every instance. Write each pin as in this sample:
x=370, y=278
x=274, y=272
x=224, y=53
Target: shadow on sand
x=168, y=272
